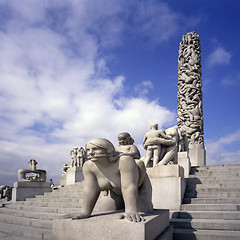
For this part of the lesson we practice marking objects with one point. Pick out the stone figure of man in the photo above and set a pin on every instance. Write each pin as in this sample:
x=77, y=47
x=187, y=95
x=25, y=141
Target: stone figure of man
x=107, y=170
x=152, y=143
x=73, y=154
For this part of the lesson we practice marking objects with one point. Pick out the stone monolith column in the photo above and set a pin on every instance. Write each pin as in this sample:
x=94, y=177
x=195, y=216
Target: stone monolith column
x=190, y=114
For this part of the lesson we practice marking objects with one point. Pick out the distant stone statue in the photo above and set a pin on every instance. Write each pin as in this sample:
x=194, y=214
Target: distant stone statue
x=38, y=174
x=78, y=157
x=5, y=192
x=169, y=152
x=65, y=168
x=126, y=146
x=81, y=156
x=106, y=170
x=73, y=154
x=153, y=142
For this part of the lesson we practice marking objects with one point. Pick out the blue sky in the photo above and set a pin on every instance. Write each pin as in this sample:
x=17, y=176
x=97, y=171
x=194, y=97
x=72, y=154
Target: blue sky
x=75, y=70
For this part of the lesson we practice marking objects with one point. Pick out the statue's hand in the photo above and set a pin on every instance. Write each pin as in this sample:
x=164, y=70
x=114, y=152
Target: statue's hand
x=74, y=216
x=132, y=217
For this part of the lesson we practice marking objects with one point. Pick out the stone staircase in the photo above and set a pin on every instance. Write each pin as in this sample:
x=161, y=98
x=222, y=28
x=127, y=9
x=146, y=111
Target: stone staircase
x=32, y=219
x=211, y=207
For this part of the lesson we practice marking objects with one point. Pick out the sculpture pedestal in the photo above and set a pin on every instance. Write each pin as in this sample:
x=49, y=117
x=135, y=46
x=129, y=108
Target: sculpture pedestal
x=63, y=179
x=108, y=226
x=197, y=155
x=168, y=186
x=184, y=161
x=73, y=175
x=23, y=190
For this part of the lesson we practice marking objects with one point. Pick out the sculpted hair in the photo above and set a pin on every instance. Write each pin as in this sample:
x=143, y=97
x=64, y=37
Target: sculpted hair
x=107, y=145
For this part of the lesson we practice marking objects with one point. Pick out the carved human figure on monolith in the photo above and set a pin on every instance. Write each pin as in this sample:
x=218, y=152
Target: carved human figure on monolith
x=153, y=142
x=106, y=170
x=126, y=146
x=37, y=174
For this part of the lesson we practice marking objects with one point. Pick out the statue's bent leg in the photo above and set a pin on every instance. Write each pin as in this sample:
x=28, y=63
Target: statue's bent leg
x=170, y=154
x=145, y=196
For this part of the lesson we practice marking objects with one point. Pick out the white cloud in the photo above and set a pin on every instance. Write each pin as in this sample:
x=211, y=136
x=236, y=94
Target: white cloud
x=219, y=56
x=156, y=20
x=142, y=89
x=55, y=93
x=217, y=152
x=232, y=80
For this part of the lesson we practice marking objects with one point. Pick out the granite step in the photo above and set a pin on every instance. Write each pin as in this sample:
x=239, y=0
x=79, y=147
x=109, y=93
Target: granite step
x=218, y=189
x=227, y=215
x=193, y=234
x=196, y=180
x=28, y=214
x=210, y=200
x=60, y=195
x=43, y=209
x=211, y=207
x=39, y=223
x=26, y=231
x=218, y=175
x=50, y=204
x=6, y=236
x=215, y=188
x=62, y=200
x=206, y=224
x=219, y=194
x=215, y=167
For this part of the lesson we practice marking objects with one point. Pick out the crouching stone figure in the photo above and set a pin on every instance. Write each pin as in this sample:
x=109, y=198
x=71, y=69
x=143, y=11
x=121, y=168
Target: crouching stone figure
x=107, y=170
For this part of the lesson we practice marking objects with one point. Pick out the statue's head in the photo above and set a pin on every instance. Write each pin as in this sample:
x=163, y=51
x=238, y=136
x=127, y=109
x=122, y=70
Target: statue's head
x=154, y=126
x=99, y=148
x=32, y=164
x=125, y=138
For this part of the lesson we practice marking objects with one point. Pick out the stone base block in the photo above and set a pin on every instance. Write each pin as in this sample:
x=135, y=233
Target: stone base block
x=108, y=226
x=197, y=155
x=184, y=162
x=23, y=190
x=165, y=171
x=168, y=186
x=73, y=175
x=63, y=179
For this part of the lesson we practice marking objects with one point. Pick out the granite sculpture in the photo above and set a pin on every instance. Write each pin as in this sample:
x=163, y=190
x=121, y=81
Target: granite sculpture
x=37, y=175
x=65, y=168
x=5, y=192
x=78, y=157
x=108, y=170
x=126, y=146
x=157, y=142
x=190, y=113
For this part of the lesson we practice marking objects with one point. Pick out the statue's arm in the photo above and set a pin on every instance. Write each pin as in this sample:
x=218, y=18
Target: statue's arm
x=144, y=140
x=129, y=186
x=163, y=134
x=91, y=191
x=167, y=142
x=135, y=152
